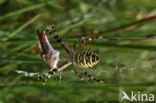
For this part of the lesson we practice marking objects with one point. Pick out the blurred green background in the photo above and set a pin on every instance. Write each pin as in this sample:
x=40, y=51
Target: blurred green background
x=129, y=60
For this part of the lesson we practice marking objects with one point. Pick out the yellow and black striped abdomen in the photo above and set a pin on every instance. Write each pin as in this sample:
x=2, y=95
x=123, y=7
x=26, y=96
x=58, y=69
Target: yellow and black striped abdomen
x=86, y=58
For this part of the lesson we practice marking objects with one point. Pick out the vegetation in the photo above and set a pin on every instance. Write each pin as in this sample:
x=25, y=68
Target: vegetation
x=129, y=60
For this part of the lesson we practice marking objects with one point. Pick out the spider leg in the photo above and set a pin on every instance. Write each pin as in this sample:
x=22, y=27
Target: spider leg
x=46, y=76
x=87, y=74
x=93, y=77
x=58, y=39
x=78, y=73
x=90, y=38
x=74, y=46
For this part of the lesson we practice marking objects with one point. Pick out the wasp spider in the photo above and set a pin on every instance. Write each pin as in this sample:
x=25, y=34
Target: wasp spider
x=82, y=58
